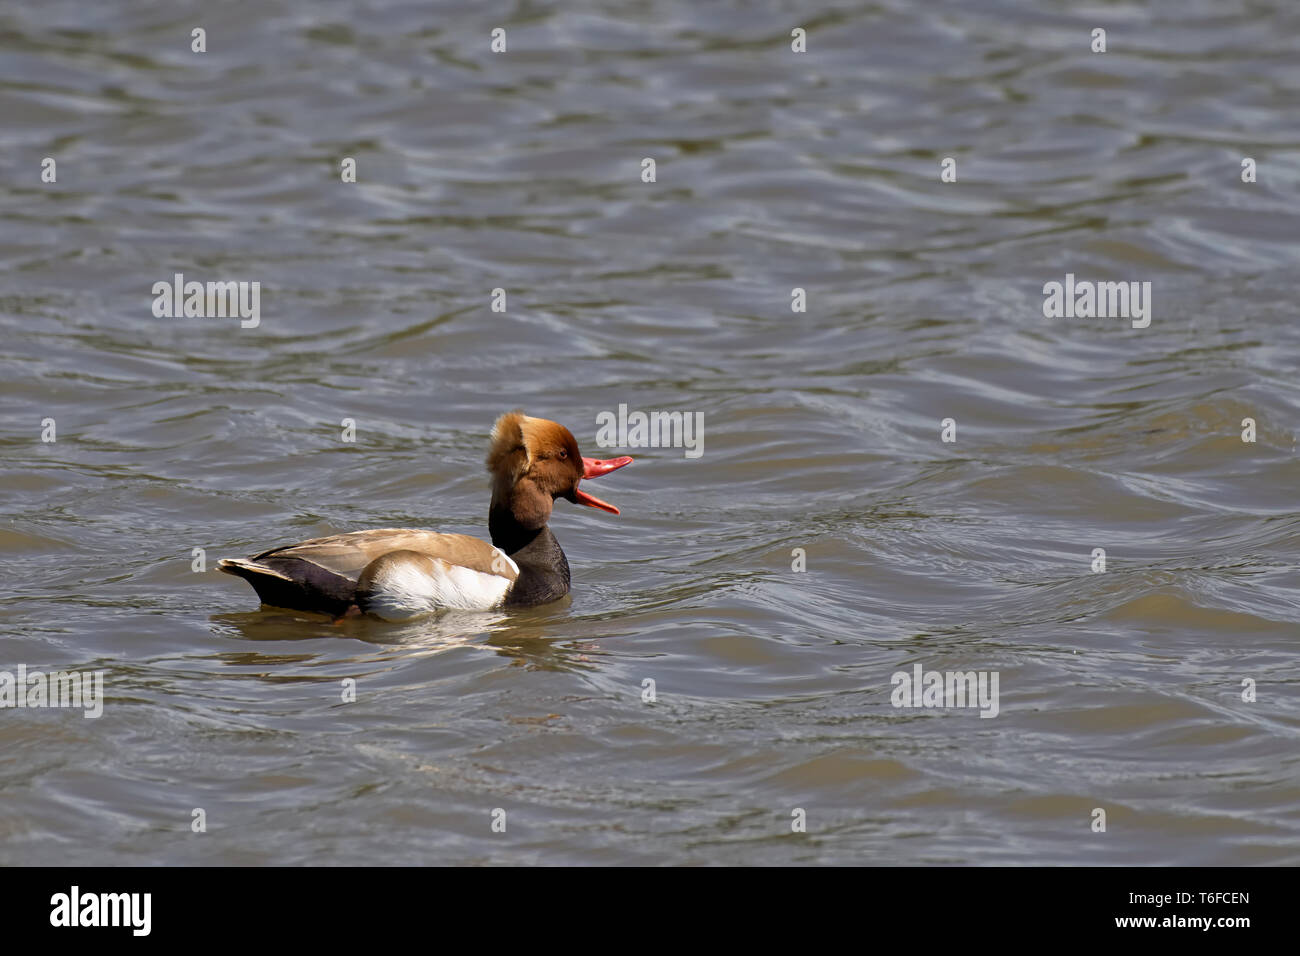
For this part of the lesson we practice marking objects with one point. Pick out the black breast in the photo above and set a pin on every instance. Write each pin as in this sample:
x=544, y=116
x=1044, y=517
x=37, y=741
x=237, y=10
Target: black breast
x=543, y=572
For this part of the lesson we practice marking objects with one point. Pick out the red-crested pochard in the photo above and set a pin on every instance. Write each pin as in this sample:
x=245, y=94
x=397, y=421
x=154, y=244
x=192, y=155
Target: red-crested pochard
x=398, y=573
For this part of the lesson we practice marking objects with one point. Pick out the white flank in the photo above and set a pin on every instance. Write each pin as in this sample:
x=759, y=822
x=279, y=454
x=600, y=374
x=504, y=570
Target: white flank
x=401, y=590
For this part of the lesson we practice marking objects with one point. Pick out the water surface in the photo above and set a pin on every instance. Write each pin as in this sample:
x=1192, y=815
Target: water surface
x=522, y=171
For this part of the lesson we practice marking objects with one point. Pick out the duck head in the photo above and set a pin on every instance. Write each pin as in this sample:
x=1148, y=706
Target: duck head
x=534, y=461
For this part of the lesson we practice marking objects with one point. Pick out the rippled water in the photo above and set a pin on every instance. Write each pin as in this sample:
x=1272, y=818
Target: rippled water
x=775, y=170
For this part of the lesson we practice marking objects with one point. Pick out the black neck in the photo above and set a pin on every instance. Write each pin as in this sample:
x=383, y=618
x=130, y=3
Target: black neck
x=543, y=568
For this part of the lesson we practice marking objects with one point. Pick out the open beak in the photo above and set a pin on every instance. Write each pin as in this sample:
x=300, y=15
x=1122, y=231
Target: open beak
x=594, y=468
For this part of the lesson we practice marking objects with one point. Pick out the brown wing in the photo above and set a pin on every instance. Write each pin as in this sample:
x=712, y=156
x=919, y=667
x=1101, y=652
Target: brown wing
x=348, y=554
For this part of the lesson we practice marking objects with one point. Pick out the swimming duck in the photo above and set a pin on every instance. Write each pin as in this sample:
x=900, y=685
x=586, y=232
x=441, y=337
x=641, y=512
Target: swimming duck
x=400, y=573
